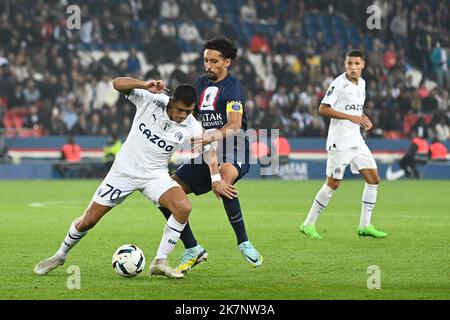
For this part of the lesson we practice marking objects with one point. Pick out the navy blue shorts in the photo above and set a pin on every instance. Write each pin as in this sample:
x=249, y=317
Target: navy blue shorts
x=198, y=177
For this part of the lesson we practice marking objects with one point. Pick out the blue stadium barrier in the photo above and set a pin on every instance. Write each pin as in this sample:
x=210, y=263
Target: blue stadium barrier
x=315, y=169
x=26, y=171
x=308, y=158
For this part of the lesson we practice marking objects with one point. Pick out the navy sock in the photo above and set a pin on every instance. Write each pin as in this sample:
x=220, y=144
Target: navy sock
x=187, y=236
x=233, y=209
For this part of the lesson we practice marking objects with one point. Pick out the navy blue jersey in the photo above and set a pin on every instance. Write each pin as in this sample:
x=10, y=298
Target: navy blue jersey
x=215, y=101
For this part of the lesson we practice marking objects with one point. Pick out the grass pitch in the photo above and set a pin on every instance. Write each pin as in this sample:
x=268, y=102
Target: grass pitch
x=413, y=261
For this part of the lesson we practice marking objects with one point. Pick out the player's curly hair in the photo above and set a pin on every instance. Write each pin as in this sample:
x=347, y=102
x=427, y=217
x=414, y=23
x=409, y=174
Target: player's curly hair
x=223, y=45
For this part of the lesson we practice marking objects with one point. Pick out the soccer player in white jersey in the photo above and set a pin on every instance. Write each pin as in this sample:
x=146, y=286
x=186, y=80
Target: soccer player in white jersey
x=160, y=127
x=343, y=103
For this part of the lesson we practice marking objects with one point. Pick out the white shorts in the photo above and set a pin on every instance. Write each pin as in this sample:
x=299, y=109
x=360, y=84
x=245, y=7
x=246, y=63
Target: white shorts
x=358, y=158
x=117, y=186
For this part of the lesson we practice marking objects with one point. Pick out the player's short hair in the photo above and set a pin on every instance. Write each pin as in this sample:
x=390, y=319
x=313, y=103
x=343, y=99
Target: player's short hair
x=355, y=53
x=223, y=45
x=185, y=93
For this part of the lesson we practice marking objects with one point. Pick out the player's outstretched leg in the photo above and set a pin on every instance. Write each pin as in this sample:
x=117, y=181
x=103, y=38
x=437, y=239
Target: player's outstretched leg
x=78, y=229
x=321, y=200
x=72, y=238
x=233, y=210
x=193, y=253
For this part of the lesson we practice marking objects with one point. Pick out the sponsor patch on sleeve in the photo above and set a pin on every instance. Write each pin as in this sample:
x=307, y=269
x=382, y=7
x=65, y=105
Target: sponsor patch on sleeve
x=330, y=91
x=235, y=106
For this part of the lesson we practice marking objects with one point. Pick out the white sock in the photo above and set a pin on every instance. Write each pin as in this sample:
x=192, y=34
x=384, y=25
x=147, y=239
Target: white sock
x=320, y=203
x=369, y=199
x=71, y=239
x=172, y=232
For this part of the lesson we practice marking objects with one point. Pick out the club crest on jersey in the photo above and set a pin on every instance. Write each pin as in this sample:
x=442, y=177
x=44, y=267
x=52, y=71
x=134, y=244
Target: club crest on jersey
x=165, y=125
x=330, y=91
x=179, y=135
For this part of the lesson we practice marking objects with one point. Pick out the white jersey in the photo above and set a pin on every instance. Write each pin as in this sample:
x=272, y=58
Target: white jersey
x=346, y=97
x=153, y=137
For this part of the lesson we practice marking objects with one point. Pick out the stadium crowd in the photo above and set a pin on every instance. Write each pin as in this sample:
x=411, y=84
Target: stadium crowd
x=289, y=52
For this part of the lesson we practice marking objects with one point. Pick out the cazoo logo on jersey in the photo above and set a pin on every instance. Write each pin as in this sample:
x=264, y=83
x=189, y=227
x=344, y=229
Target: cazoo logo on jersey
x=154, y=138
x=355, y=107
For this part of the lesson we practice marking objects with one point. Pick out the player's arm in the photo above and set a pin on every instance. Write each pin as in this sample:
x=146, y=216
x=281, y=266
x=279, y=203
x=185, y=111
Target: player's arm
x=235, y=111
x=126, y=84
x=232, y=127
x=219, y=187
x=325, y=110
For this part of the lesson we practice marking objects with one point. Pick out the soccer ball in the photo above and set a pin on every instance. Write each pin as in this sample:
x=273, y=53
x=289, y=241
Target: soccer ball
x=128, y=260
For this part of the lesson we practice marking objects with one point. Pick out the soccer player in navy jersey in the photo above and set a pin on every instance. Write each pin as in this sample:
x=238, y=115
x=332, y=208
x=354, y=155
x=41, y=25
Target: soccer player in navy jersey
x=220, y=102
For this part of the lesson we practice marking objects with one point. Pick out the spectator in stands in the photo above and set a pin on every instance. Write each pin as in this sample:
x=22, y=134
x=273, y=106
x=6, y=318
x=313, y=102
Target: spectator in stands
x=442, y=127
x=94, y=127
x=57, y=125
x=169, y=9
x=227, y=29
x=32, y=119
x=266, y=12
x=431, y=103
x=69, y=115
x=248, y=13
x=399, y=28
x=440, y=62
x=189, y=33
x=444, y=101
x=209, y=9
x=31, y=93
x=280, y=98
x=259, y=43
x=106, y=63
x=420, y=128
x=390, y=57
x=133, y=63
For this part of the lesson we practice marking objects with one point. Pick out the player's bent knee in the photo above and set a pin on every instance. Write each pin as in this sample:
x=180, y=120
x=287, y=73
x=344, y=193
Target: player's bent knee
x=183, y=208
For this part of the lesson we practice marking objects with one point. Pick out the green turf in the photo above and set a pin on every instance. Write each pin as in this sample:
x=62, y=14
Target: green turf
x=414, y=260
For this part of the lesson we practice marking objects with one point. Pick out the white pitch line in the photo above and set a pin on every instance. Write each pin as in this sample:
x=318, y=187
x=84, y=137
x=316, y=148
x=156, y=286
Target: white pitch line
x=62, y=204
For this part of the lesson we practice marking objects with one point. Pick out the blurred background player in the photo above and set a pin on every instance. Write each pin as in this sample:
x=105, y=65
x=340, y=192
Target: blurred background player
x=110, y=150
x=343, y=103
x=419, y=153
x=142, y=164
x=220, y=102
